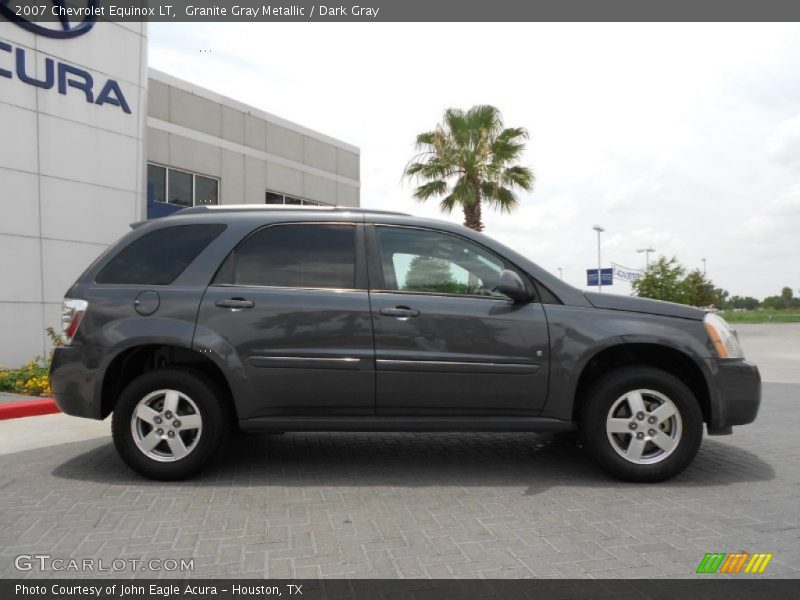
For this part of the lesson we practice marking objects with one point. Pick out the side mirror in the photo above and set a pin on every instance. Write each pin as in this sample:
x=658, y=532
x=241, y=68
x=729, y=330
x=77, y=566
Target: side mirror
x=510, y=284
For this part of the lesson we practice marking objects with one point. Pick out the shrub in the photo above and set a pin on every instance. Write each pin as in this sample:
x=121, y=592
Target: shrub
x=33, y=377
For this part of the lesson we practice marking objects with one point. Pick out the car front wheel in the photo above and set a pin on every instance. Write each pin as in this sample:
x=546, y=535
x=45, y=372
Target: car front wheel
x=167, y=424
x=641, y=424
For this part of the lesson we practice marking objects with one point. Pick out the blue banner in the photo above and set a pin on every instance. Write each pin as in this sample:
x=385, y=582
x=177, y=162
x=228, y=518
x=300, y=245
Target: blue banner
x=607, y=277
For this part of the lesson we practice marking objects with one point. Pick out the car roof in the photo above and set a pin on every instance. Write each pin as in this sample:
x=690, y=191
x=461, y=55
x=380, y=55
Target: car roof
x=260, y=208
x=242, y=217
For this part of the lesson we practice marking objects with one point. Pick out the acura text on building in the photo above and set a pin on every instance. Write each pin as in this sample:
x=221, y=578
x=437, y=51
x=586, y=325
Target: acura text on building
x=62, y=75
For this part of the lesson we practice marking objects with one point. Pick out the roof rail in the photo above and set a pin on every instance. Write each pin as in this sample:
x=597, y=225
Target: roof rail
x=281, y=207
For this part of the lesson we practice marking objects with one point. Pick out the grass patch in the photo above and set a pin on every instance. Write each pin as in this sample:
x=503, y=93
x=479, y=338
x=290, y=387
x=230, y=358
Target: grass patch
x=762, y=316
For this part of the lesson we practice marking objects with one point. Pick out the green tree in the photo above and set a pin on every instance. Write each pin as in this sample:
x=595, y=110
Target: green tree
x=661, y=281
x=721, y=298
x=772, y=303
x=470, y=158
x=696, y=290
x=744, y=302
x=786, y=297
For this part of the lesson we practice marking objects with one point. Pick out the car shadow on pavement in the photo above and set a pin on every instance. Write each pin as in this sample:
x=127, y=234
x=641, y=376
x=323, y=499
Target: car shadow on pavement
x=535, y=461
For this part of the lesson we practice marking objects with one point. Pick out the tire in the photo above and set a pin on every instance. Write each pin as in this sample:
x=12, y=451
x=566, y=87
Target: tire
x=652, y=451
x=200, y=423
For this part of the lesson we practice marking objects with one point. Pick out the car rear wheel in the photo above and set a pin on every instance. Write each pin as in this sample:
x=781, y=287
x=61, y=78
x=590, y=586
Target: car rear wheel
x=167, y=424
x=641, y=424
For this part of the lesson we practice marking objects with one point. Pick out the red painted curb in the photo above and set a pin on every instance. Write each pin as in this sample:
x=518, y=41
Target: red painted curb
x=30, y=408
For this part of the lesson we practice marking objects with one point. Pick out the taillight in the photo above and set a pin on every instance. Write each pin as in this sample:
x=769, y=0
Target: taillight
x=71, y=315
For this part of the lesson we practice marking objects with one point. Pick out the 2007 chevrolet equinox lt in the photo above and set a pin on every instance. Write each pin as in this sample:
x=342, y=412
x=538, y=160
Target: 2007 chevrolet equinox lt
x=333, y=319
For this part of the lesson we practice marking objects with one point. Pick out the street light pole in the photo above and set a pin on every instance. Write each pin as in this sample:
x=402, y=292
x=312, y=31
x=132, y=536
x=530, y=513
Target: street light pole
x=599, y=230
x=560, y=273
x=647, y=252
x=704, y=266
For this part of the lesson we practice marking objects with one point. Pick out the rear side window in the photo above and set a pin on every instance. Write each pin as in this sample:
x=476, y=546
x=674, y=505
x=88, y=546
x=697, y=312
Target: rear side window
x=157, y=258
x=296, y=256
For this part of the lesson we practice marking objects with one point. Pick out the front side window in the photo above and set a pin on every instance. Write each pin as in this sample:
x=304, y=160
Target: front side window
x=297, y=256
x=420, y=260
x=158, y=257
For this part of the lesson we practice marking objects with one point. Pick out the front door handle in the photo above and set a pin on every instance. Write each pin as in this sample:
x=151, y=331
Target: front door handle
x=234, y=303
x=401, y=312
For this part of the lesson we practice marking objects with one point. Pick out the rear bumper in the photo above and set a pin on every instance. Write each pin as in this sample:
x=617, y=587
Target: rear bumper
x=736, y=393
x=74, y=382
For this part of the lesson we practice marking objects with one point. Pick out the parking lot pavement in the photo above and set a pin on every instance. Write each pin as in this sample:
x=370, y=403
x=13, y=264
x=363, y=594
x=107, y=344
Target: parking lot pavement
x=411, y=505
x=775, y=347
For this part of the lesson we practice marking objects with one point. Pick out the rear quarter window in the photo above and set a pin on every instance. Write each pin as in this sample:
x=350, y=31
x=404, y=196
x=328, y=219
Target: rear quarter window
x=159, y=257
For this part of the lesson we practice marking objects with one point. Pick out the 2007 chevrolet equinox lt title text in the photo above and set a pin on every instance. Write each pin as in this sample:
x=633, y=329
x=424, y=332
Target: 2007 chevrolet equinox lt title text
x=333, y=319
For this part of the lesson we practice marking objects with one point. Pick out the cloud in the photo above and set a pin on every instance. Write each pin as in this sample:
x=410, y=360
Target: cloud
x=692, y=148
x=785, y=144
x=664, y=242
x=535, y=216
x=776, y=218
x=636, y=195
x=787, y=204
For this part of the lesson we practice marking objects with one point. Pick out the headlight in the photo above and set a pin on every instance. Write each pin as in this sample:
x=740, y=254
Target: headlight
x=722, y=336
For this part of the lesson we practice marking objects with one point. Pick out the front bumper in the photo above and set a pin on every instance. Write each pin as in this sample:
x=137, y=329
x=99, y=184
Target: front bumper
x=735, y=394
x=73, y=379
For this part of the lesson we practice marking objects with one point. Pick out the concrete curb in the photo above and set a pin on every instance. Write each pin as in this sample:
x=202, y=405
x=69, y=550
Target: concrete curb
x=29, y=408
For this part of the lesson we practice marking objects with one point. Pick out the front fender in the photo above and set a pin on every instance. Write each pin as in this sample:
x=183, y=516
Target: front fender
x=578, y=334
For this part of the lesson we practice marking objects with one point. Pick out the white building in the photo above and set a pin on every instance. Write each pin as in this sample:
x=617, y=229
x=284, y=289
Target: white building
x=88, y=131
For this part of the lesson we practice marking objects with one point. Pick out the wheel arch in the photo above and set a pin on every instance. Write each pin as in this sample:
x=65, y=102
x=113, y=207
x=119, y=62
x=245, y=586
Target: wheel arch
x=142, y=358
x=663, y=357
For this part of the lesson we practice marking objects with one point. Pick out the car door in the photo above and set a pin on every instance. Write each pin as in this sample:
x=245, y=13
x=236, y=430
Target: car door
x=291, y=302
x=446, y=344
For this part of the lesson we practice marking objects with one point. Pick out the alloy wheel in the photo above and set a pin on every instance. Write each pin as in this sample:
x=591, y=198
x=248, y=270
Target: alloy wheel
x=166, y=425
x=644, y=426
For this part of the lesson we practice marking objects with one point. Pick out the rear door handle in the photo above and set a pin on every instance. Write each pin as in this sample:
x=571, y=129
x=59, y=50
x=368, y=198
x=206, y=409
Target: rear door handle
x=402, y=312
x=234, y=303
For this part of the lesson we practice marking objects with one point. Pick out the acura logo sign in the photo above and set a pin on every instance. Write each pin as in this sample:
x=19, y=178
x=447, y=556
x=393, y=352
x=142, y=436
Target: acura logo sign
x=24, y=15
x=47, y=73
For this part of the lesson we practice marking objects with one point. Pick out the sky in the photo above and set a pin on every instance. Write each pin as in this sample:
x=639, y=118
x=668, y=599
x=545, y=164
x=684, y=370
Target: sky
x=680, y=137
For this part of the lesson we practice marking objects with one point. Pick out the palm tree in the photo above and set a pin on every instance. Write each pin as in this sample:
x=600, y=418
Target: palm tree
x=468, y=159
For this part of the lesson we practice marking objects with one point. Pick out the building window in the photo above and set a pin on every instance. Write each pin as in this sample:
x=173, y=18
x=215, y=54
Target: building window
x=206, y=190
x=180, y=187
x=273, y=198
x=157, y=179
x=174, y=186
x=278, y=198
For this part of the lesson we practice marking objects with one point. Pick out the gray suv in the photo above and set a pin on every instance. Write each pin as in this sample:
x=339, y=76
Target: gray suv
x=332, y=319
